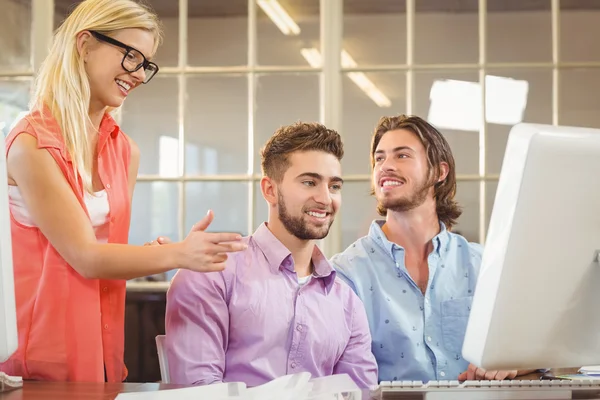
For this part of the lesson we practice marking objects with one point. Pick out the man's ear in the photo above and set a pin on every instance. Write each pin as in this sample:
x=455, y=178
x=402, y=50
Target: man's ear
x=83, y=39
x=444, y=170
x=269, y=190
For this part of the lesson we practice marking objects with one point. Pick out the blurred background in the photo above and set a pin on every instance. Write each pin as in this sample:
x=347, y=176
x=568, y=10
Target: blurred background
x=233, y=71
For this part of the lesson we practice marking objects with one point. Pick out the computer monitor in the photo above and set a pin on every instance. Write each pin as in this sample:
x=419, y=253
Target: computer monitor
x=537, y=299
x=8, y=316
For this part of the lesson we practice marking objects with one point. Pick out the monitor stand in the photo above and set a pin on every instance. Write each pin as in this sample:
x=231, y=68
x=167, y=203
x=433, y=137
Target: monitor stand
x=8, y=383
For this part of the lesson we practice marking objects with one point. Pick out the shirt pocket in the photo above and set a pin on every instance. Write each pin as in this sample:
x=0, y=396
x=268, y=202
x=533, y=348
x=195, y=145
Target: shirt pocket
x=455, y=316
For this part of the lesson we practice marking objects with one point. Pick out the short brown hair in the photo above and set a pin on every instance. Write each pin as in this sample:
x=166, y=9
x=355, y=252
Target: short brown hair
x=300, y=136
x=437, y=150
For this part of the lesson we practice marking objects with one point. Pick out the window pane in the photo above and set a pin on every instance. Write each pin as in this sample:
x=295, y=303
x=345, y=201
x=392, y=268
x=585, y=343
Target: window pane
x=579, y=97
x=446, y=31
x=361, y=111
x=490, y=193
x=519, y=31
x=149, y=117
x=218, y=33
x=375, y=31
x=168, y=13
x=282, y=100
x=228, y=200
x=357, y=212
x=261, y=208
x=154, y=212
x=451, y=101
x=14, y=102
x=579, y=31
x=467, y=196
x=514, y=96
x=281, y=40
x=216, y=128
x=15, y=35
x=167, y=54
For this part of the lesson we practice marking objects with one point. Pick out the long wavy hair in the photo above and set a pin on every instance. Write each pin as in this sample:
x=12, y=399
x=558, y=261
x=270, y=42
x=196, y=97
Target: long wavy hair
x=437, y=150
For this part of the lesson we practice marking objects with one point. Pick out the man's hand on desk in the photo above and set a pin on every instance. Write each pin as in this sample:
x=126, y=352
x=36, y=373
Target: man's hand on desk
x=474, y=373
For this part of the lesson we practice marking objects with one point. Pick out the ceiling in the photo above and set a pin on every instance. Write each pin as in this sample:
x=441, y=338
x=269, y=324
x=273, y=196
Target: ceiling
x=231, y=8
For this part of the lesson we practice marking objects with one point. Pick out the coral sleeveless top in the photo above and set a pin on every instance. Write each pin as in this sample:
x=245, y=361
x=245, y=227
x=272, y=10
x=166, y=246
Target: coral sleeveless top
x=70, y=328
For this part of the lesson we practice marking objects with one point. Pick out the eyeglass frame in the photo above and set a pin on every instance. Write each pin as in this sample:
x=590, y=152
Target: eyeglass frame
x=107, y=39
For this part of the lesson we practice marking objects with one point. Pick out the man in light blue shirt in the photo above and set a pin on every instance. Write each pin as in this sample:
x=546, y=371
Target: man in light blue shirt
x=415, y=277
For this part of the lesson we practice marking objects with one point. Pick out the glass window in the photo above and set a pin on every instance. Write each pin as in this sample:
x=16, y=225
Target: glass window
x=216, y=127
x=467, y=196
x=519, y=31
x=358, y=210
x=228, y=200
x=513, y=96
x=149, y=117
x=366, y=98
x=217, y=33
x=579, y=97
x=287, y=30
x=446, y=32
x=14, y=102
x=375, y=31
x=154, y=212
x=283, y=99
x=579, y=31
x=15, y=35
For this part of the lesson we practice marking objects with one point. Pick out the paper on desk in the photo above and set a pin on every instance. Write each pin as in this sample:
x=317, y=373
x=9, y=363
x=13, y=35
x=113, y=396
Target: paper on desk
x=590, y=370
x=285, y=387
x=290, y=387
x=329, y=387
x=217, y=391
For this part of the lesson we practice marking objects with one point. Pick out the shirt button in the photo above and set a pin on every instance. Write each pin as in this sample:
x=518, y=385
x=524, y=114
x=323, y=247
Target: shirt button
x=293, y=365
x=429, y=338
x=108, y=185
x=105, y=289
x=442, y=373
x=299, y=327
x=105, y=326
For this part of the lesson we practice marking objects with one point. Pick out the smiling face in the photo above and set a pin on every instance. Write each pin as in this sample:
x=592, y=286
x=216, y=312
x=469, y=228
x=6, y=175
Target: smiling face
x=109, y=82
x=401, y=173
x=309, y=194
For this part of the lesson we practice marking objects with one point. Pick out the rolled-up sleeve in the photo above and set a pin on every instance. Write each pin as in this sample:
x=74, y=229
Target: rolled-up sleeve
x=197, y=325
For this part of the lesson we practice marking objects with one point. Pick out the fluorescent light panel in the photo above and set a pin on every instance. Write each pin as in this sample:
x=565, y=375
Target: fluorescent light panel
x=313, y=57
x=279, y=16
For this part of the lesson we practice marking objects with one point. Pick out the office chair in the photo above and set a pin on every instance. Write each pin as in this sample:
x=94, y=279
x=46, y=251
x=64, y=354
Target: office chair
x=162, y=359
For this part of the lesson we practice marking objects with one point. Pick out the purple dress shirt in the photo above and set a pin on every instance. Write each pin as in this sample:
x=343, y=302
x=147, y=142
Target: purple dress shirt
x=253, y=322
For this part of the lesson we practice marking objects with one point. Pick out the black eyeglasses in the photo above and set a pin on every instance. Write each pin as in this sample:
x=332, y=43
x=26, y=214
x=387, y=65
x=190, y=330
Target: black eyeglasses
x=133, y=59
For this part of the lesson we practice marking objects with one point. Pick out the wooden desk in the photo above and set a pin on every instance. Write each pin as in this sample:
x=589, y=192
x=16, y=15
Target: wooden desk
x=78, y=390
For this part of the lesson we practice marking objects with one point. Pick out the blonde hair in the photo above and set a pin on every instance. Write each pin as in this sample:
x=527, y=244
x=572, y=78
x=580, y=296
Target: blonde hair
x=62, y=84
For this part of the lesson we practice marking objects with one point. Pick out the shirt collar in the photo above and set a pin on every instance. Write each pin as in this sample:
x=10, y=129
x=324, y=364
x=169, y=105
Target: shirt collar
x=440, y=241
x=278, y=256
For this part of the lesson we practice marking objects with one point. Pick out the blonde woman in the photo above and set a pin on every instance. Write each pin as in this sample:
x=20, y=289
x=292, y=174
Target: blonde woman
x=71, y=174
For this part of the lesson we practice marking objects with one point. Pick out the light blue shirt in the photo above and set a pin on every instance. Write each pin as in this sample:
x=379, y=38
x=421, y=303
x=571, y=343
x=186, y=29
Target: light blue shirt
x=415, y=336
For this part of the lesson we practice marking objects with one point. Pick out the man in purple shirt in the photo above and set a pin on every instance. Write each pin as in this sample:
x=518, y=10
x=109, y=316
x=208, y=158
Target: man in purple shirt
x=277, y=308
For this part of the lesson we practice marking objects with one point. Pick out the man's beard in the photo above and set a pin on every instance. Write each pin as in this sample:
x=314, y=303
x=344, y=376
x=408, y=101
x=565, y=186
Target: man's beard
x=297, y=226
x=407, y=203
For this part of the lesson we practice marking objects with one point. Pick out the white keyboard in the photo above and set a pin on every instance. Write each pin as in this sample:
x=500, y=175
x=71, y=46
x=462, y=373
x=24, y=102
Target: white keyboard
x=509, y=389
